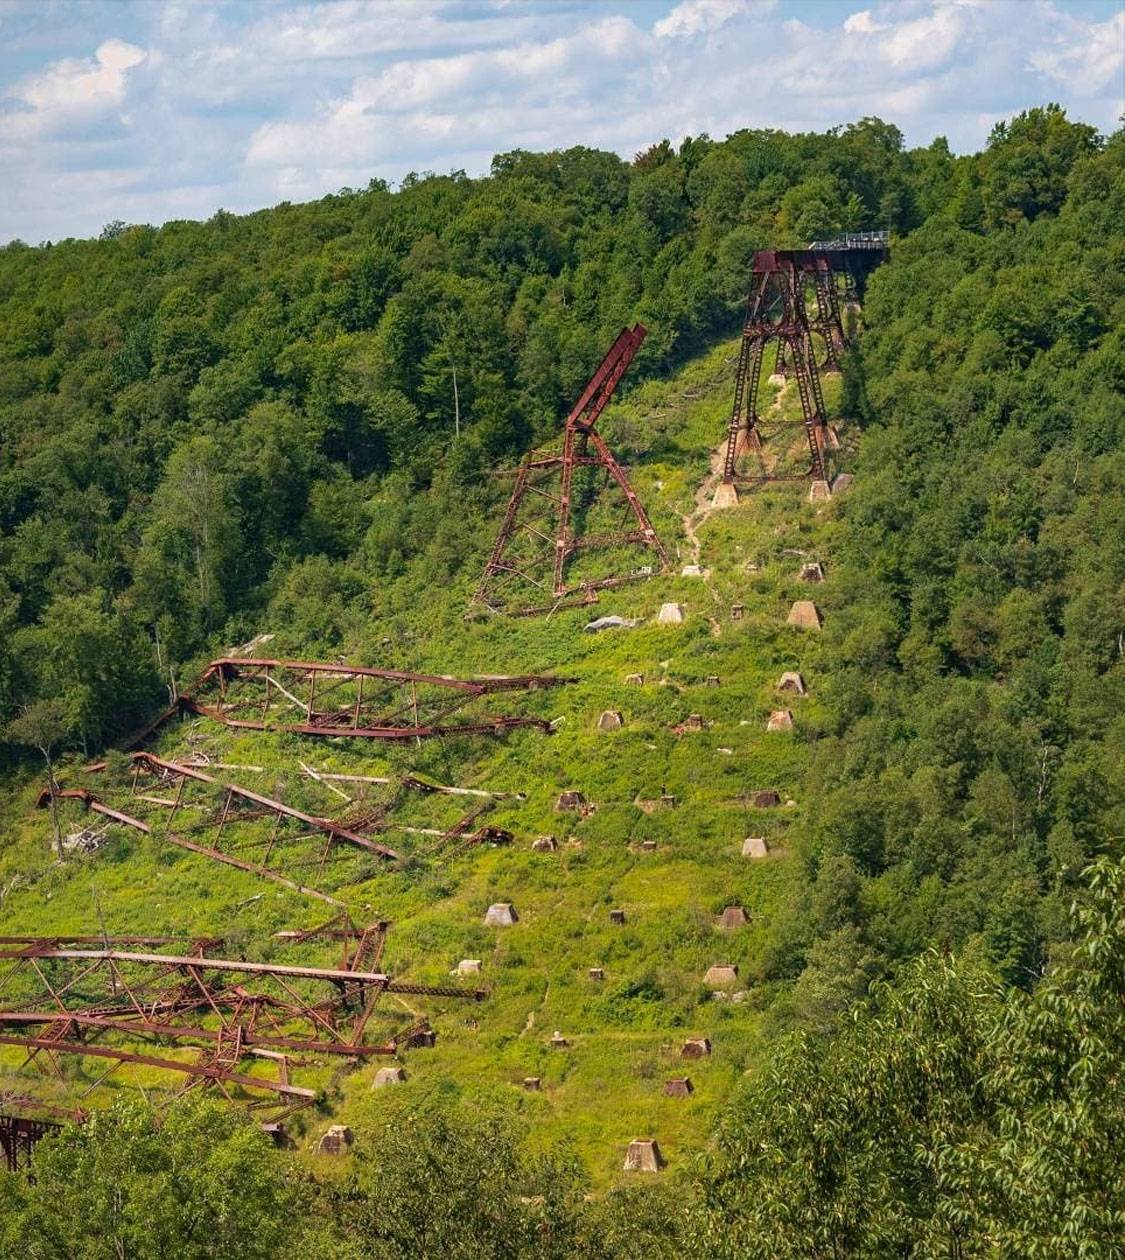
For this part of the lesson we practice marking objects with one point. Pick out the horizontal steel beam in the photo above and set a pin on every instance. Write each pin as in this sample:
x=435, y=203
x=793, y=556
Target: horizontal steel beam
x=474, y=686
x=49, y=950
x=148, y=1060
x=162, y=1028
x=46, y=948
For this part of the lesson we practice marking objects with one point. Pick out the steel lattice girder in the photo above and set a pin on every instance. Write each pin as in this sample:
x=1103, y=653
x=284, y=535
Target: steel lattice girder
x=230, y=1009
x=334, y=836
x=251, y=693
x=554, y=538
x=278, y=862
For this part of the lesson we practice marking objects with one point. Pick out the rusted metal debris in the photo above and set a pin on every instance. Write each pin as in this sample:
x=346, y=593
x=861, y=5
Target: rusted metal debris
x=18, y=1138
x=221, y=820
x=557, y=493
x=331, y=700
x=114, y=1003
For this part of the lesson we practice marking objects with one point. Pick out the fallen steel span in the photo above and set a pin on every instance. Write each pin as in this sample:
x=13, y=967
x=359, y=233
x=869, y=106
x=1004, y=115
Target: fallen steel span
x=333, y=700
x=193, y=810
x=113, y=1004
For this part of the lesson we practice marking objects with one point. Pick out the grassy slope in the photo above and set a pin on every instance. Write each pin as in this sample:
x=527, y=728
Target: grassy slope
x=607, y=1088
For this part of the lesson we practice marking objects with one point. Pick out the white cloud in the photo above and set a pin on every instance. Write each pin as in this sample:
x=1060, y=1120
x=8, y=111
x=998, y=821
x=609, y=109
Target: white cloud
x=195, y=105
x=417, y=105
x=77, y=83
x=1087, y=59
x=698, y=17
x=862, y=23
x=925, y=42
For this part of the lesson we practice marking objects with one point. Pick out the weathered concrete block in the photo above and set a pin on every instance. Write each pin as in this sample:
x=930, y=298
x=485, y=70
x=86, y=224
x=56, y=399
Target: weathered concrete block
x=791, y=681
x=805, y=615
x=678, y=1087
x=755, y=847
x=695, y=1048
x=501, y=914
x=780, y=720
x=389, y=1076
x=726, y=495
x=721, y=976
x=670, y=615
x=732, y=917
x=819, y=492
x=336, y=1140
x=643, y=1155
x=610, y=720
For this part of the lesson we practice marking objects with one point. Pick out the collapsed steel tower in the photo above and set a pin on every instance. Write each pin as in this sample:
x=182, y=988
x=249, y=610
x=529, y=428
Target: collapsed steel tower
x=244, y=1024
x=552, y=519
x=233, y=825
x=256, y=694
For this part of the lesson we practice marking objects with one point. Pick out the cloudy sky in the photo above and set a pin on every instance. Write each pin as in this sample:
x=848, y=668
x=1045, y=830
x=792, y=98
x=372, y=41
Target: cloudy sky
x=146, y=111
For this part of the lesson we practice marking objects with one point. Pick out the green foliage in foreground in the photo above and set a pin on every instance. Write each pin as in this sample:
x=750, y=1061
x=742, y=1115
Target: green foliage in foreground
x=956, y=1118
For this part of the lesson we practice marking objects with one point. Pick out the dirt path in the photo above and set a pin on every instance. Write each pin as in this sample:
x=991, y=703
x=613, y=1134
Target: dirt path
x=705, y=494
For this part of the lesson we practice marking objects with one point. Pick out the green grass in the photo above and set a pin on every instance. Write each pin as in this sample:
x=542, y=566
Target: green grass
x=624, y=1032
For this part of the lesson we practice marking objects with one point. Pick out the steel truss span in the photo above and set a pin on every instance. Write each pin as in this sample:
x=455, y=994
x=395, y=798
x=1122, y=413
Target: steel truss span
x=330, y=700
x=568, y=504
x=223, y=1017
x=242, y=828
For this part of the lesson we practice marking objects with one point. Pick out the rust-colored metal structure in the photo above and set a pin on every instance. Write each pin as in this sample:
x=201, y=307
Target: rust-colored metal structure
x=255, y=833
x=775, y=312
x=778, y=311
x=330, y=700
x=558, y=510
x=294, y=839
x=18, y=1137
x=63, y=998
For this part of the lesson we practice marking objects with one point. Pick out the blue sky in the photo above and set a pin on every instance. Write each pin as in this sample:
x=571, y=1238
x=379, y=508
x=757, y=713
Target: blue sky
x=146, y=111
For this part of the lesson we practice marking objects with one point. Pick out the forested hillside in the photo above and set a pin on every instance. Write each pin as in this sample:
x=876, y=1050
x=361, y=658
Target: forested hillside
x=287, y=423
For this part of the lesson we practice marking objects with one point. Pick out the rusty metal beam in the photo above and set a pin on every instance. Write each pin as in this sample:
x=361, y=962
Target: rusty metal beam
x=148, y=1060
x=168, y=1028
x=337, y=832
x=376, y=715
x=557, y=537
x=224, y=1009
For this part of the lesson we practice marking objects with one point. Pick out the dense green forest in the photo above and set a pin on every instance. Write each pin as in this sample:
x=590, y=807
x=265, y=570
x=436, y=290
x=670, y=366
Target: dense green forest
x=288, y=420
